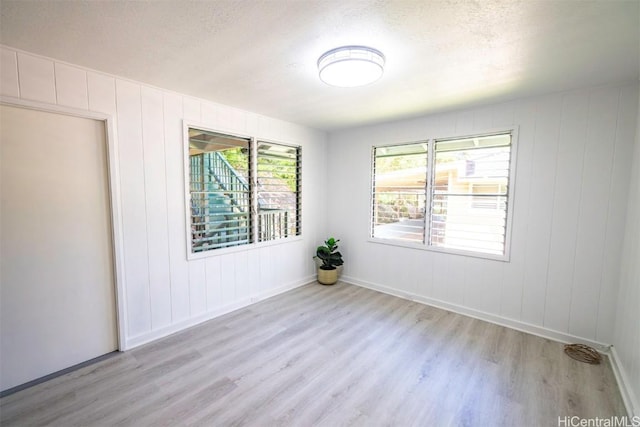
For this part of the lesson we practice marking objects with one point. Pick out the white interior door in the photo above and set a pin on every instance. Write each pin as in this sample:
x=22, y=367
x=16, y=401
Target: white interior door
x=57, y=293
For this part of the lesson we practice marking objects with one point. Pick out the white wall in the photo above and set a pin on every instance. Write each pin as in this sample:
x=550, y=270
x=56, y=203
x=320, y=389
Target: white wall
x=627, y=328
x=163, y=292
x=572, y=180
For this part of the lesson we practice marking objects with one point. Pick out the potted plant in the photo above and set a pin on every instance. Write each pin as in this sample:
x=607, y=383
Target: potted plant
x=331, y=260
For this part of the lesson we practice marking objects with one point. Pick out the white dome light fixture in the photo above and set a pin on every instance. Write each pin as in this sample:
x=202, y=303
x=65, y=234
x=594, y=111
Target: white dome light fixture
x=351, y=66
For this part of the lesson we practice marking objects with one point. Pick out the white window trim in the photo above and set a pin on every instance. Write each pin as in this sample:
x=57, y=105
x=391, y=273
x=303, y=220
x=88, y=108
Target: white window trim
x=186, y=125
x=506, y=257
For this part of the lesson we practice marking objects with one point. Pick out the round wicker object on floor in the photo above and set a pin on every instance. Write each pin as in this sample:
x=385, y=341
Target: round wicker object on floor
x=583, y=353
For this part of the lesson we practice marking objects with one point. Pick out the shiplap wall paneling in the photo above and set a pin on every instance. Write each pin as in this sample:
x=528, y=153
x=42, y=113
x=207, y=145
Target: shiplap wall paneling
x=439, y=277
x=71, y=86
x=540, y=207
x=465, y=121
x=232, y=118
x=214, y=282
x=176, y=216
x=279, y=266
x=228, y=275
x=280, y=259
x=267, y=270
x=503, y=115
x=388, y=266
x=483, y=118
x=253, y=269
x=344, y=210
x=300, y=261
x=209, y=114
x=101, y=93
x=566, y=202
x=616, y=214
x=198, y=287
x=134, y=221
x=378, y=265
x=592, y=214
x=286, y=265
x=9, y=73
x=156, y=207
x=406, y=273
x=192, y=109
x=242, y=266
x=37, y=79
x=482, y=283
x=511, y=297
x=456, y=271
x=425, y=274
x=627, y=332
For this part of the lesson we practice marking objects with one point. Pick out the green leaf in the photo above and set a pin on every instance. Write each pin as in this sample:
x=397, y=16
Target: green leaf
x=329, y=255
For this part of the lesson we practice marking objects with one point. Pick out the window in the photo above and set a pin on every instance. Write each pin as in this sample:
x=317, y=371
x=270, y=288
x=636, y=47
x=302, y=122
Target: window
x=219, y=187
x=446, y=194
x=399, y=195
x=278, y=173
x=237, y=197
x=469, y=193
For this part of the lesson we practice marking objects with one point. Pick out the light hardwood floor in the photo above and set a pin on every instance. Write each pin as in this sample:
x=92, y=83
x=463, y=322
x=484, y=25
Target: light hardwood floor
x=329, y=356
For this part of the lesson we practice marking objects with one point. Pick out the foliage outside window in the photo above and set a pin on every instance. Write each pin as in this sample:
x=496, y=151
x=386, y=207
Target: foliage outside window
x=237, y=197
x=448, y=194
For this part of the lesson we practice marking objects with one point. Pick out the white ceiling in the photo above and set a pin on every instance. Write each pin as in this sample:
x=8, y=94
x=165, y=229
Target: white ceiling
x=261, y=55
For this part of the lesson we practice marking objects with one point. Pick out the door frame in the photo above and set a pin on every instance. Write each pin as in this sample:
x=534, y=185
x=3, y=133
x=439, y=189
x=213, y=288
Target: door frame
x=115, y=209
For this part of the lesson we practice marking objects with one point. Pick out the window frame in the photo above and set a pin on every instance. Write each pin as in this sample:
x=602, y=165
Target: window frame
x=253, y=193
x=430, y=179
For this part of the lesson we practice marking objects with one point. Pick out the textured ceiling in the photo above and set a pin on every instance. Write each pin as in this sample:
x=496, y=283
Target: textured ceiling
x=261, y=55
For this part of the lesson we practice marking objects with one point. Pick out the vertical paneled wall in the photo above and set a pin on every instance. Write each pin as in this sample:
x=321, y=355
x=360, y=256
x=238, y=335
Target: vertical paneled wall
x=163, y=291
x=627, y=330
x=571, y=184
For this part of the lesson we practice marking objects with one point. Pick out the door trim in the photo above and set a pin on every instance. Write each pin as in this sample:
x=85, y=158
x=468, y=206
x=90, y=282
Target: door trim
x=113, y=180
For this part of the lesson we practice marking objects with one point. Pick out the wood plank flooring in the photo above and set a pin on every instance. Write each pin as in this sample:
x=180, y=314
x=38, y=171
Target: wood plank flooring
x=328, y=356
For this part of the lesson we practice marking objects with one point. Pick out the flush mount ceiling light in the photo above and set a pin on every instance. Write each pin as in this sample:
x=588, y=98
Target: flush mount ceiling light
x=351, y=66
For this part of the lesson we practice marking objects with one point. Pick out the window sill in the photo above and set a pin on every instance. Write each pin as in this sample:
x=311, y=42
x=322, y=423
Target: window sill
x=423, y=247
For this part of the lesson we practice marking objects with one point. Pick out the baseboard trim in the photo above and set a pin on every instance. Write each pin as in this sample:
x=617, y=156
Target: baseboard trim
x=212, y=314
x=478, y=314
x=630, y=400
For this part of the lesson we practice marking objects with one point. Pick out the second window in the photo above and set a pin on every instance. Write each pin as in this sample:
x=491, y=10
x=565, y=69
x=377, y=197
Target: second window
x=449, y=194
